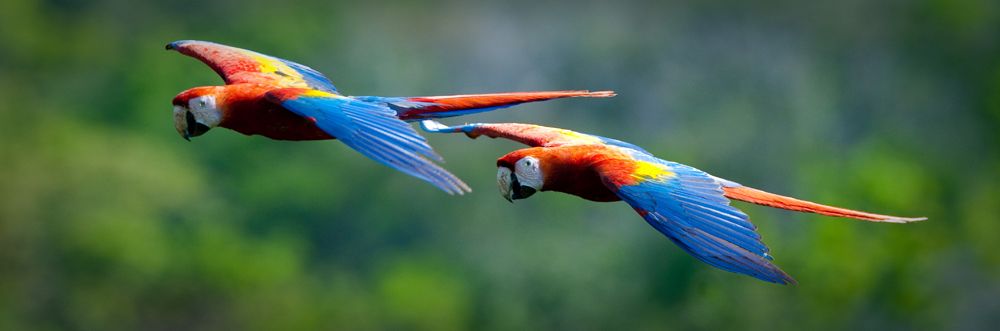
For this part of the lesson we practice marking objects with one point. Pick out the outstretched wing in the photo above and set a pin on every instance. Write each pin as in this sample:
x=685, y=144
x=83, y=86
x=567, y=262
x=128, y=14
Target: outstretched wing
x=528, y=134
x=237, y=65
x=418, y=108
x=688, y=206
x=372, y=130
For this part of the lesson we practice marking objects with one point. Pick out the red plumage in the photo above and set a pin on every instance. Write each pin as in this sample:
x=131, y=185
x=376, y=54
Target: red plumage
x=246, y=109
x=573, y=169
x=285, y=100
x=687, y=205
x=441, y=104
x=250, y=76
x=759, y=197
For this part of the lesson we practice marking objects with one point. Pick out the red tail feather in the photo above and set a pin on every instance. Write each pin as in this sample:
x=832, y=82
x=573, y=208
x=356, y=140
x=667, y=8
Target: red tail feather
x=496, y=99
x=441, y=106
x=759, y=197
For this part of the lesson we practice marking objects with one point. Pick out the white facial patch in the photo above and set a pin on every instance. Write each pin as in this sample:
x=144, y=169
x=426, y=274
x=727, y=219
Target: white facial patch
x=529, y=172
x=204, y=110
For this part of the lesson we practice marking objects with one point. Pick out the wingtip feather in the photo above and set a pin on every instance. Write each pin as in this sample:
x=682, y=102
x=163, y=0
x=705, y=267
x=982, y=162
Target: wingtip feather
x=600, y=94
x=462, y=189
x=901, y=220
x=453, y=185
x=786, y=279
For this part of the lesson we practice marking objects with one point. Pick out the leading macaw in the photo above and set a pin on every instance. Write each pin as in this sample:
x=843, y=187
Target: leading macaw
x=685, y=204
x=284, y=100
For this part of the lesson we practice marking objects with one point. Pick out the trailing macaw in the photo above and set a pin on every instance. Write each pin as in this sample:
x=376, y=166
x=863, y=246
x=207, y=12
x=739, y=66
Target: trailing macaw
x=687, y=205
x=284, y=100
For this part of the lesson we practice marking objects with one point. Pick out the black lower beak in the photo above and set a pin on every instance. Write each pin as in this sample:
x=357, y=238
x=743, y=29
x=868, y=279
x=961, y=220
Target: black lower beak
x=519, y=191
x=194, y=128
x=522, y=192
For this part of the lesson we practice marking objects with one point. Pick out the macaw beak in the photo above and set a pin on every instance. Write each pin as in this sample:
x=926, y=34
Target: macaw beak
x=187, y=126
x=510, y=188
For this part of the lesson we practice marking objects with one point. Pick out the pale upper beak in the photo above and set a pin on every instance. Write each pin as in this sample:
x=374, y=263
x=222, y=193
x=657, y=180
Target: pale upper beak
x=180, y=122
x=503, y=183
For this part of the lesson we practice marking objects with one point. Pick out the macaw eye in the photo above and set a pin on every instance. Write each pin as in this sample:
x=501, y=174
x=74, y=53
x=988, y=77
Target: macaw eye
x=202, y=102
x=528, y=164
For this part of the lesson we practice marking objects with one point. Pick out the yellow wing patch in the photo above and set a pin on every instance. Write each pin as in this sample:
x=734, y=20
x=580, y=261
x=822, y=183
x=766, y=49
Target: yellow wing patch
x=579, y=137
x=649, y=170
x=319, y=94
x=285, y=74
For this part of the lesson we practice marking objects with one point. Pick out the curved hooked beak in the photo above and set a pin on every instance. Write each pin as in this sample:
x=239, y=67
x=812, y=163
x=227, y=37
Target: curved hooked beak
x=510, y=188
x=186, y=124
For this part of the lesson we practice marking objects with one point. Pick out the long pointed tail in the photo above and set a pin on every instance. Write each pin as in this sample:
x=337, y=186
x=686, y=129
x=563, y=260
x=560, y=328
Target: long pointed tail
x=419, y=108
x=752, y=195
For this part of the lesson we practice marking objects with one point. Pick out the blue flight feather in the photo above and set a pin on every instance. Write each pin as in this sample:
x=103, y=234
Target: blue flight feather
x=374, y=131
x=691, y=209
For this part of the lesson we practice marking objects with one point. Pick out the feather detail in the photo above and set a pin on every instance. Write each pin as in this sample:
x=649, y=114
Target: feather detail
x=237, y=65
x=763, y=198
x=373, y=130
x=419, y=108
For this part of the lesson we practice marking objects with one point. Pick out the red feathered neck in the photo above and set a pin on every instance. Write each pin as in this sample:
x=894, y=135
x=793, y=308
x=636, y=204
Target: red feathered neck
x=569, y=169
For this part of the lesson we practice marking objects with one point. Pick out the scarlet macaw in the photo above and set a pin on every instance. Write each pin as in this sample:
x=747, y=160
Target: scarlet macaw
x=687, y=205
x=284, y=100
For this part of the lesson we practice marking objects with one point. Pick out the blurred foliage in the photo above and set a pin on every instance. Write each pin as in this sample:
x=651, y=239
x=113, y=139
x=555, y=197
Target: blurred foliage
x=109, y=221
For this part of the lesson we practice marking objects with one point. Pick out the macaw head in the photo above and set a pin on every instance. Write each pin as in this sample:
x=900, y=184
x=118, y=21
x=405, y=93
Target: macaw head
x=196, y=111
x=519, y=174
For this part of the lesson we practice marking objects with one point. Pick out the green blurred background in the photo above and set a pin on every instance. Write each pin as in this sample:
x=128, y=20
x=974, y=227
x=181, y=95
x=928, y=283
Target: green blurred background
x=110, y=221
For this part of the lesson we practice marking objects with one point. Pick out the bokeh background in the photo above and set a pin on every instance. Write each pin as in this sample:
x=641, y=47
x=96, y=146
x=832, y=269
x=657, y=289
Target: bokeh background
x=110, y=221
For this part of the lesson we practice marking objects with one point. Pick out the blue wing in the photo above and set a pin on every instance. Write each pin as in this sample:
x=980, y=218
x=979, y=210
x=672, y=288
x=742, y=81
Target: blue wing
x=688, y=206
x=373, y=130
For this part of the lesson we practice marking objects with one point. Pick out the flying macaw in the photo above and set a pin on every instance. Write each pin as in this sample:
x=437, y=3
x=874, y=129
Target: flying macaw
x=685, y=204
x=284, y=100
